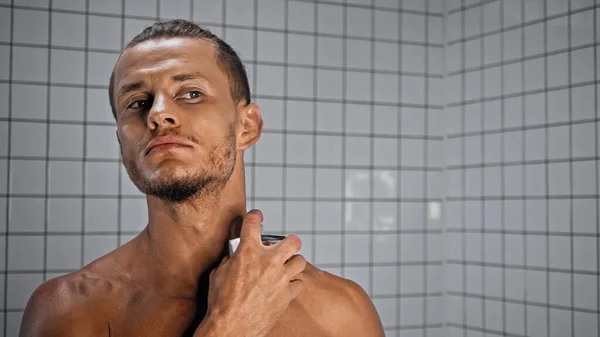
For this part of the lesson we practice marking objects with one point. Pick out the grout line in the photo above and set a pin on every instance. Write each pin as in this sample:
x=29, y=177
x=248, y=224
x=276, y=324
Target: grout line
x=47, y=150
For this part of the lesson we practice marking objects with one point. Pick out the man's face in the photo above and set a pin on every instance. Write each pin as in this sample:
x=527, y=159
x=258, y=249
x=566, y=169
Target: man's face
x=175, y=118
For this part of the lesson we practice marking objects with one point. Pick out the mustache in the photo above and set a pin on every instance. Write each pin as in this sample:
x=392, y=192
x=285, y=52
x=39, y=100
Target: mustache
x=190, y=138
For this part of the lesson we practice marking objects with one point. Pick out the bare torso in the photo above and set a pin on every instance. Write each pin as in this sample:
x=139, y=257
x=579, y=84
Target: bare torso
x=123, y=306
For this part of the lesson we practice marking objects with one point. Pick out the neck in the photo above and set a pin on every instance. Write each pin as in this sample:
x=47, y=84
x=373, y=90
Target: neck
x=187, y=239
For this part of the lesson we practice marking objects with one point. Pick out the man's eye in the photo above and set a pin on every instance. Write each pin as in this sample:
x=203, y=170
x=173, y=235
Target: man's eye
x=193, y=94
x=141, y=104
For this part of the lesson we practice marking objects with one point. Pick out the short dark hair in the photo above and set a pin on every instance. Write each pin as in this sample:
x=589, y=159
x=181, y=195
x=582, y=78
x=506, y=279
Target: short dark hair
x=227, y=58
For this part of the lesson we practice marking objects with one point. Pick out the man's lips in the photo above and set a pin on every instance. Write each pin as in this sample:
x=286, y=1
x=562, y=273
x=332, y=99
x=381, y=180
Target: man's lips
x=165, y=143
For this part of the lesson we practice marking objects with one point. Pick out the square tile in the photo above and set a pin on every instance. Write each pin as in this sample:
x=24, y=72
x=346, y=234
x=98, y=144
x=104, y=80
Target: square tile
x=135, y=26
x=68, y=30
x=133, y=217
x=97, y=246
x=535, y=179
x=535, y=144
x=560, y=322
x=329, y=117
x=358, y=184
x=386, y=151
x=66, y=140
x=556, y=174
x=28, y=176
x=270, y=47
x=534, y=39
x=236, y=12
x=413, y=58
x=104, y=33
x=330, y=19
x=19, y=288
x=412, y=215
x=536, y=286
x=491, y=49
x=584, y=253
x=205, y=11
x=472, y=17
x=358, y=151
x=100, y=66
x=386, y=23
x=358, y=23
x=328, y=183
x=328, y=215
x=584, y=178
x=63, y=252
x=473, y=85
x=435, y=62
x=64, y=215
x=268, y=182
x=558, y=106
x=558, y=142
x=411, y=279
x=537, y=320
x=358, y=86
x=65, y=178
x=454, y=56
x=385, y=216
x=385, y=248
x=328, y=249
x=67, y=67
x=413, y=27
x=584, y=215
x=515, y=318
x=560, y=252
x=300, y=115
x=301, y=16
x=582, y=61
x=329, y=150
x=329, y=51
x=386, y=309
x=101, y=178
x=513, y=146
x=30, y=26
x=474, y=312
x=299, y=149
x=357, y=249
x=358, y=118
x=174, y=9
x=100, y=214
x=491, y=16
x=412, y=311
x=27, y=214
x=271, y=14
x=66, y=103
x=535, y=219
x=243, y=40
x=559, y=210
x=299, y=215
x=385, y=280
x=473, y=57
x=411, y=247
x=28, y=139
x=30, y=64
x=557, y=31
x=585, y=324
x=534, y=74
x=97, y=108
x=558, y=70
x=25, y=252
x=582, y=28
x=512, y=41
x=299, y=182
x=300, y=49
x=412, y=89
x=101, y=142
x=272, y=111
x=386, y=56
x=582, y=103
x=329, y=84
x=108, y=7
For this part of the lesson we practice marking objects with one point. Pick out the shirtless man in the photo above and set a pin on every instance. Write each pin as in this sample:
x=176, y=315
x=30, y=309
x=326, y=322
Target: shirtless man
x=182, y=105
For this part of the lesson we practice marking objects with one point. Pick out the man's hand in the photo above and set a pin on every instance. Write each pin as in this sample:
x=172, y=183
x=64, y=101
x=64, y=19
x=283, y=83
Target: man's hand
x=250, y=290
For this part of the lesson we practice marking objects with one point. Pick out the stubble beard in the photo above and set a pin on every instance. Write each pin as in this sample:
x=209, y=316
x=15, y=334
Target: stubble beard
x=181, y=186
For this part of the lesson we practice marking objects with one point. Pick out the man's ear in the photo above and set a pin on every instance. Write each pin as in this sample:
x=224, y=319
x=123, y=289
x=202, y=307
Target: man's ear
x=251, y=125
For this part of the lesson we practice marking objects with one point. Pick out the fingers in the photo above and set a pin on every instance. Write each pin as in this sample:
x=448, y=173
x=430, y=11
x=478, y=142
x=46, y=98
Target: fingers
x=287, y=247
x=295, y=266
x=250, y=232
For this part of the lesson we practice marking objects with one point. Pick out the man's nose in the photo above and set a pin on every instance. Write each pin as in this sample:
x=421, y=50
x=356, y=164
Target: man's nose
x=162, y=115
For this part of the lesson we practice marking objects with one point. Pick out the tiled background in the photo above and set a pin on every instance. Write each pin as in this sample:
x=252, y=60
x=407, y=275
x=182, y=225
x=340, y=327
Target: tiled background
x=521, y=144
x=363, y=143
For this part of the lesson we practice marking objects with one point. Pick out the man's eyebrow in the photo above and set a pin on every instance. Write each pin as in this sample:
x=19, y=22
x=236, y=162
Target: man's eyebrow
x=129, y=88
x=190, y=76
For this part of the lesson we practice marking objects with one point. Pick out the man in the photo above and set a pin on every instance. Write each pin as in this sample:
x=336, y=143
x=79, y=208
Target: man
x=182, y=106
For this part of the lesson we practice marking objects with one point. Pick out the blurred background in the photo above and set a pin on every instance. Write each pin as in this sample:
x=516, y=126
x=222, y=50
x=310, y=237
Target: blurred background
x=442, y=154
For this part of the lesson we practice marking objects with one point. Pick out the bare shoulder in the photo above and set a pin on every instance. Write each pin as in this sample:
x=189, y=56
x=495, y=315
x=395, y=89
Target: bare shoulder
x=66, y=306
x=340, y=305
